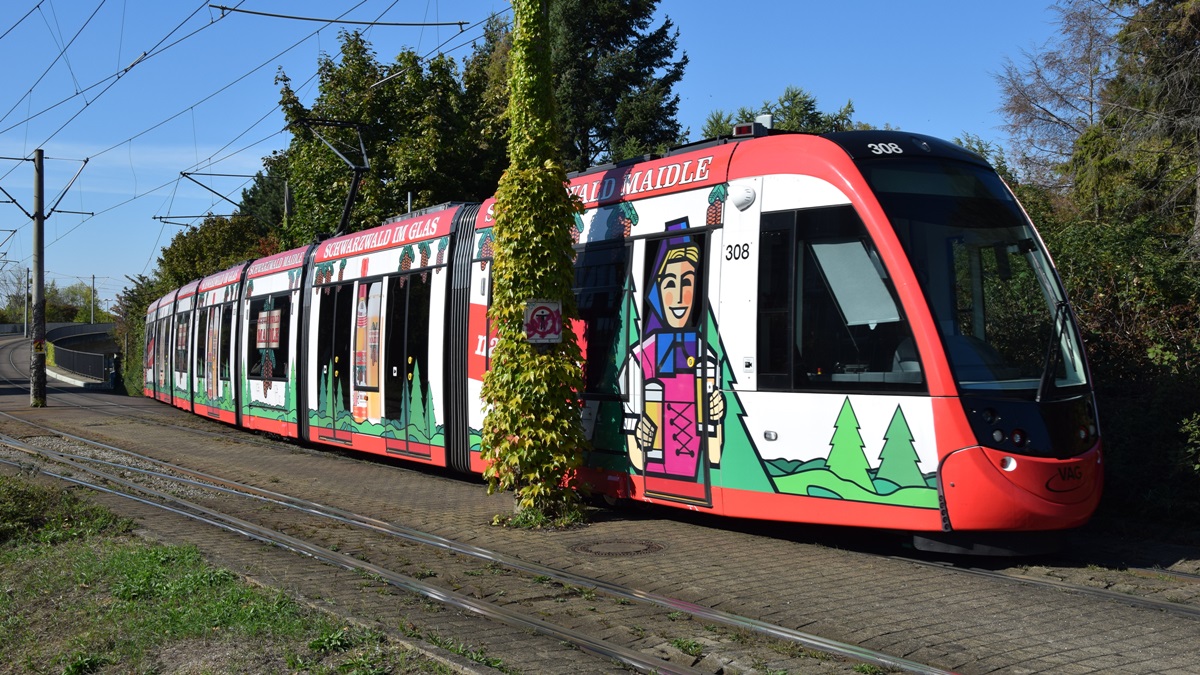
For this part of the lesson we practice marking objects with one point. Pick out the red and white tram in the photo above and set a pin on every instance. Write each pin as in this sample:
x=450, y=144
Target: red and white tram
x=859, y=329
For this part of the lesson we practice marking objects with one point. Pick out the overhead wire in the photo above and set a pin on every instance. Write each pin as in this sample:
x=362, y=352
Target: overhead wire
x=227, y=86
x=139, y=60
x=172, y=117
x=58, y=39
x=438, y=49
x=274, y=108
x=339, y=20
x=152, y=190
x=380, y=15
x=121, y=33
x=61, y=52
x=222, y=89
x=211, y=159
x=145, y=56
x=371, y=24
x=21, y=20
x=154, y=51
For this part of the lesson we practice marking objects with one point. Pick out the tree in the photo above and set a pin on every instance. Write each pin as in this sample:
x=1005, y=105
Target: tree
x=265, y=199
x=485, y=104
x=129, y=331
x=718, y=123
x=614, y=78
x=14, y=293
x=1119, y=222
x=794, y=110
x=407, y=116
x=216, y=244
x=1159, y=74
x=78, y=302
x=1055, y=94
x=532, y=437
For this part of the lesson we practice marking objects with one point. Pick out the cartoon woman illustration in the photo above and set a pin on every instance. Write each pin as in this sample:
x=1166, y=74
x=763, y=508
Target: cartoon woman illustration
x=672, y=374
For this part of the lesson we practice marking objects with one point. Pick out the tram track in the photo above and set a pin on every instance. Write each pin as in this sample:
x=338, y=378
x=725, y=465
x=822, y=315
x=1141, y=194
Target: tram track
x=165, y=501
x=1044, y=580
x=624, y=596
x=544, y=585
x=200, y=479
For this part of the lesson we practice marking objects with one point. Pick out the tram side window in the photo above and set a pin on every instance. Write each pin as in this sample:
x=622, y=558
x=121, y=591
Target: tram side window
x=225, y=339
x=600, y=293
x=828, y=318
x=201, y=342
x=164, y=350
x=181, y=342
x=267, y=349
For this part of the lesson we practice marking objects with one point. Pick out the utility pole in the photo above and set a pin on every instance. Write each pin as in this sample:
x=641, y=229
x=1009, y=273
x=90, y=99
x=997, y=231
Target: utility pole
x=93, y=299
x=37, y=276
x=37, y=358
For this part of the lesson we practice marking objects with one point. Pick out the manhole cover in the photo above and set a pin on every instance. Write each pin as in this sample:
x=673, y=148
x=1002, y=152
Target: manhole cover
x=618, y=548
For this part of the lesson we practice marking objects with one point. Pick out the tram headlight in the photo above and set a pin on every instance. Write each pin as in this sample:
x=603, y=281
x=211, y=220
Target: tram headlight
x=1019, y=438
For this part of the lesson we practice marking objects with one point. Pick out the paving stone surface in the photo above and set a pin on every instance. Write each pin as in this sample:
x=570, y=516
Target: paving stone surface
x=952, y=620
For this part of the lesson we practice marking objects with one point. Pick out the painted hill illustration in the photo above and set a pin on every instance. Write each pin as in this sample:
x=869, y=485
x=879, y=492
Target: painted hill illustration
x=846, y=472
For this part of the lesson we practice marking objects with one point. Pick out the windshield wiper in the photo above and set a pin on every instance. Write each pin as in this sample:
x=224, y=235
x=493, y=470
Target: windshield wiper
x=1054, y=351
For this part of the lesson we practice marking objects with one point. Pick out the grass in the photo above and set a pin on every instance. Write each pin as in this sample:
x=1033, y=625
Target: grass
x=79, y=594
x=689, y=647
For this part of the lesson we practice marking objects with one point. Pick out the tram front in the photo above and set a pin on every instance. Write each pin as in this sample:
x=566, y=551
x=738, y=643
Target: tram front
x=1009, y=338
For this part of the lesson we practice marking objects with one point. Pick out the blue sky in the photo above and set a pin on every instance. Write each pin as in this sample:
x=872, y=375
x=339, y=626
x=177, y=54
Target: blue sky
x=204, y=100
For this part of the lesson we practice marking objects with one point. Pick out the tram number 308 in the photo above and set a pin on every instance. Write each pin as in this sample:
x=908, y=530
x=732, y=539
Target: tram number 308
x=737, y=252
x=885, y=149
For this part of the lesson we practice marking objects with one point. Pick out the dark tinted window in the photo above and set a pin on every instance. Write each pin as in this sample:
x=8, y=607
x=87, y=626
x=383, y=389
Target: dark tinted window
x=991, y=287
x=828, y=318
x=600, y=293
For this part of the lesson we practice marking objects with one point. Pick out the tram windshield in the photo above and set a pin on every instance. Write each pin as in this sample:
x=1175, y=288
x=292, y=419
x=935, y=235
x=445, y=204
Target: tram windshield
x=997, y=301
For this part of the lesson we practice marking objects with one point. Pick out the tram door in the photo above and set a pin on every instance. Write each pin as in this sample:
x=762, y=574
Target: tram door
x=408, y=400
x=212, y=358
x=676, y=370
x=163, y=384
x=181, y=390
x=334, y=361
x=201, y=354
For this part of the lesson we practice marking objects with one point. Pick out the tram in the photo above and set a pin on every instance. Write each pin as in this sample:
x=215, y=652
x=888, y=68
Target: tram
x=857, y=329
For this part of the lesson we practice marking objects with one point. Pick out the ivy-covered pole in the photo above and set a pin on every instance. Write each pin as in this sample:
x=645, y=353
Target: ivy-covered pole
x=532, y=438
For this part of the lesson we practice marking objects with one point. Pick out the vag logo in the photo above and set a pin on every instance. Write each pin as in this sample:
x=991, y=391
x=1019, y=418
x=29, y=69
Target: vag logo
x=1065, y=479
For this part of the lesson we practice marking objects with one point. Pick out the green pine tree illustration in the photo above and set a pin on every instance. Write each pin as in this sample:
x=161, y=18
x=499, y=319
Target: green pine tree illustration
x=898, y=461
x=417, y=426
x=740, y=466
x=846, y=457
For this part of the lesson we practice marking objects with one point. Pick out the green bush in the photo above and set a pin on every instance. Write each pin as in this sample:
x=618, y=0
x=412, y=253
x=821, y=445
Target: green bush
x=1135, y=289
